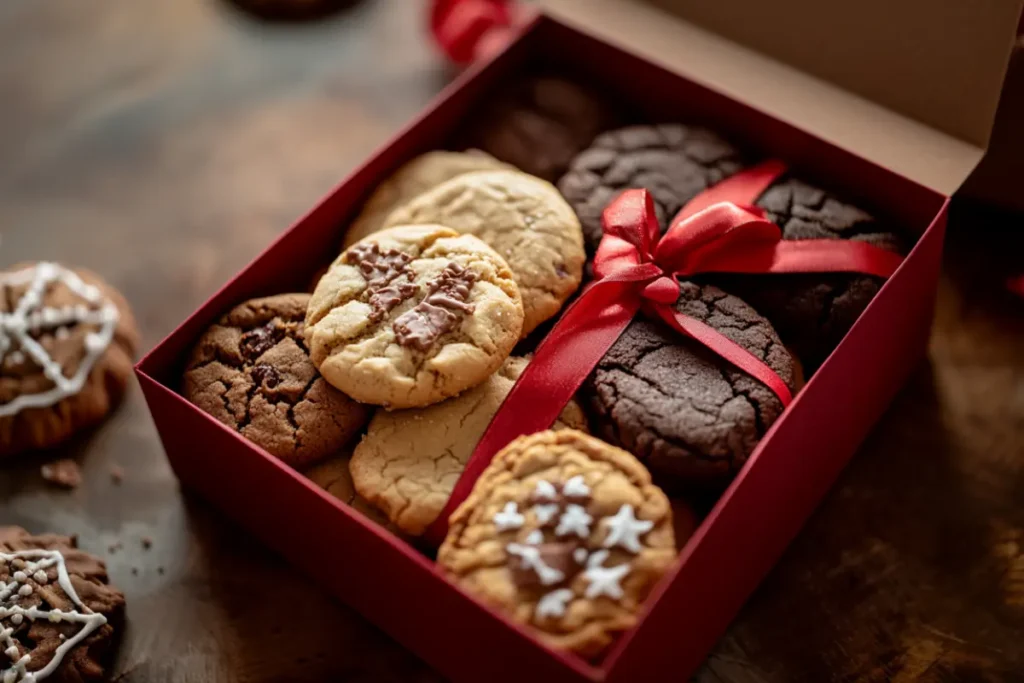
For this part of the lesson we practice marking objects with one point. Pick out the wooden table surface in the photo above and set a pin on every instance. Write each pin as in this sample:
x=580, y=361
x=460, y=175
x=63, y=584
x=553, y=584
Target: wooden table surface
x=163, y=144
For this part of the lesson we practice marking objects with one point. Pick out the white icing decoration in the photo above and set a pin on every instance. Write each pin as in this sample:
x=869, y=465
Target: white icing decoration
x=508, y=518
x=31, y=562
x=530, y=558
x=580, y=555
x=604, y=580
x=574, y=520
x=545, y=513
x=62, y=333
x=27, y=319
x=553, y=604
x=576, y=488
x=545, y=491
x=16, y=357
x=625, y=530
x=536, y=537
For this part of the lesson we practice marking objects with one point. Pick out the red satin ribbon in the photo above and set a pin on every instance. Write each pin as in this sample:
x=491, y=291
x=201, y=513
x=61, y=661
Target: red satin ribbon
x=638, y=270
x=462, y=28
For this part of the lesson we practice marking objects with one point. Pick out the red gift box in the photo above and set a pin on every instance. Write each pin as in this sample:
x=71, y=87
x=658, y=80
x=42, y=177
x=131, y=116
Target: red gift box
x=398, y=588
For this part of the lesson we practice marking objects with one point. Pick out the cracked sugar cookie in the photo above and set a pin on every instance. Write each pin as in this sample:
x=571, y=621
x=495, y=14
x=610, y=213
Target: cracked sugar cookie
x=252, y=372
x=409, y=460
x=58, y=613
x=413, y=179
x=412, y=315
x=66, y=344
x=524, y=219
x=564, y=533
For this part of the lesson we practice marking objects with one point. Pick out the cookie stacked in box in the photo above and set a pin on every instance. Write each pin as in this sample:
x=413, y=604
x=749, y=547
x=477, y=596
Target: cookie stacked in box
x=380, y=384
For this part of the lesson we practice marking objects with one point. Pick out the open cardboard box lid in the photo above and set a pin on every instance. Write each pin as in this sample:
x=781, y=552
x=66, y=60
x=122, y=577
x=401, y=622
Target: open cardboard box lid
x=912, y=85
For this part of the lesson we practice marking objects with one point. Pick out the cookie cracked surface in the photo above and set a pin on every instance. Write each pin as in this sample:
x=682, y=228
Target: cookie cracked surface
x=412, y=315
x=409, y=460
x=522, y=218
x=690, y=416
x=563, y=533
x=253, y=373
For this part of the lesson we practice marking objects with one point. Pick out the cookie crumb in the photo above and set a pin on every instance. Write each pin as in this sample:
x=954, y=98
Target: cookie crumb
x=116, y=474
x=147, y=542
x=114, y=547
x=63, y=473
x=135, y=571
x=160, y=570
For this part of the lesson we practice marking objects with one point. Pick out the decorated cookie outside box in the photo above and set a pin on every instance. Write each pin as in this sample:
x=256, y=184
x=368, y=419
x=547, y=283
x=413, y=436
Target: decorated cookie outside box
x=546, y=386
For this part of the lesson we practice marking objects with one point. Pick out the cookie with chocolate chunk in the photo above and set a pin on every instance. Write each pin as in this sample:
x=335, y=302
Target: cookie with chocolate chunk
x=539, y=124
x=564, y=534
x=59, y=616
x=412, y=315
x=252, y=372
x=690, y=416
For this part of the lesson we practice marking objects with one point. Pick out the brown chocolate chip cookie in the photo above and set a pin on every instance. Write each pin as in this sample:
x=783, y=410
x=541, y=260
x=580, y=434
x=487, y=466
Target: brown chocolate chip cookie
x=565, y=534
x=58, y=614
x=252, y=372
x=66, y=344
x=692, y=418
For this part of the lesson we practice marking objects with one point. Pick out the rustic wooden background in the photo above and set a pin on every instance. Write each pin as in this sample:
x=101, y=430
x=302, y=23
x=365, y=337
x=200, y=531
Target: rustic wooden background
x=164, y=144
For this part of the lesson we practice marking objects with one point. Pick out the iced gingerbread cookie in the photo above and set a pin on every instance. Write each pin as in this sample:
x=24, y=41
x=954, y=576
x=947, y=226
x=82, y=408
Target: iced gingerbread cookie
x=412, y=315
x=252, y=372
x=564, y=533
x=524, y=219
x=58, y=614
x=413, y=179
x=66, y=344
x=409, y=460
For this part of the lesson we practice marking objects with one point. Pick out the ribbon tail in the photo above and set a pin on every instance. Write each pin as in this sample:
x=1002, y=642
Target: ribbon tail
x=744, y=187
x=559, y=367
x=727, y=349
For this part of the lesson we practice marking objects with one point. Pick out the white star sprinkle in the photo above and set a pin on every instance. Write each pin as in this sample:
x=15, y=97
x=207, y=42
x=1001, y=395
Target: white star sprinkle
x=508, y=518
x=580, y=555
x=574, y=520
x=604, y=580
x=545, y=513
x=625, y=530
x=536, y=537
x=545, y=491
x=530, y=558
x=553, y=604
x=576, y=488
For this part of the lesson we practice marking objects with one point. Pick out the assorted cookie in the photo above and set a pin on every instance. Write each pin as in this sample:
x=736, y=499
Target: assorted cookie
x=252, y=372
x=521, y=217
x=67, y=339
x=59, y=616
x=413, y=315
x=565, y=534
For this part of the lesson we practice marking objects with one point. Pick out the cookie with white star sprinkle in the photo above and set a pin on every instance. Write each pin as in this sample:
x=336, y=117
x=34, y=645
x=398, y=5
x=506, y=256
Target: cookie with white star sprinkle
x=59, y=616
x=563, y=533
x=66, y=344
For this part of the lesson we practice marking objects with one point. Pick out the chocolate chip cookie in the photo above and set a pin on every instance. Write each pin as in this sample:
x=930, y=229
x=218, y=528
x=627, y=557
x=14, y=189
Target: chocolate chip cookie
x=58, y=613
x=413, y=179
x=412, y=315
x=66, y=344
x=252, y=372
x=409, y=460
x=565, y=534
x=692, y=418
x=521, y=217
x=539, y=124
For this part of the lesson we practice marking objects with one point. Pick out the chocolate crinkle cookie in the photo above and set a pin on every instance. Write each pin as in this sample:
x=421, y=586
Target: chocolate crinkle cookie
x=689, y=415
x=539, y=124
x=252, y=372
x=59, y=617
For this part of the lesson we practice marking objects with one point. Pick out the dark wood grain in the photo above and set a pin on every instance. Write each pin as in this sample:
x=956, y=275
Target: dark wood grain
x=164, y=144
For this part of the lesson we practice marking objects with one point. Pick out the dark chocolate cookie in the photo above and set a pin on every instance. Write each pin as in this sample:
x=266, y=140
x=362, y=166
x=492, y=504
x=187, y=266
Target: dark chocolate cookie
x=674, y=162
x=252, y=372
x=539, y=125
x=59, y=617
x=691, y=417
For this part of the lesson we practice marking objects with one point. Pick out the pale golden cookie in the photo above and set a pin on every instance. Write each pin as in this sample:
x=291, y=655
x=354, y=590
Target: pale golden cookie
x=524, y=219
x=333, y=476
x=423, y=173
x=565, y=534
x=409, y=460
x=412, y=315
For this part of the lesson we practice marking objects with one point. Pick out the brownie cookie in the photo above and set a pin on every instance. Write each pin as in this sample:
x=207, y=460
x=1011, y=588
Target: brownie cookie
x=412, y=315
x=673, y=162
x=522, y=218
x=409, y=460
x=252, y=372
x=66, y=344
x=690, y=416
x=540, y=124
x=565, y=534
x=58, y=614
x=413, y=179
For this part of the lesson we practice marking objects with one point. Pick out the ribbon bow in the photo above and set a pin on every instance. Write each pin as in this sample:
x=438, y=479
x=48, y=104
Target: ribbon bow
x=717, y=232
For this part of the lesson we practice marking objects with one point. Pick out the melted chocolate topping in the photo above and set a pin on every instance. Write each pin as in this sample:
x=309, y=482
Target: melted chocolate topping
x=382, y=270
x=439, y=311
x=258, y=341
